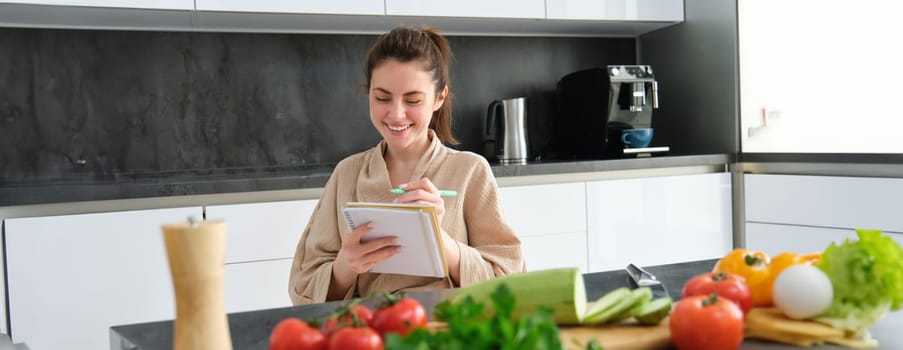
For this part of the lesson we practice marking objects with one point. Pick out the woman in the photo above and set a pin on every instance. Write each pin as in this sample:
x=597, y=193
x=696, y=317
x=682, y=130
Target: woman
x=407, y=73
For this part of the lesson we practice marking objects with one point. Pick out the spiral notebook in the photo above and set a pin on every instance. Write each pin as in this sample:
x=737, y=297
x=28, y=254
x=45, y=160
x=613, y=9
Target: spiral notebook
x=417, y=229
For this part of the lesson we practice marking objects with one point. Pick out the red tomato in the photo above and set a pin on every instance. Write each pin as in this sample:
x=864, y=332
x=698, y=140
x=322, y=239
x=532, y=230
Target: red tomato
x=292, y=333
x=727, y=285
x=401, y=317
x=356, y=338
x=706, y=322
x=344, y=319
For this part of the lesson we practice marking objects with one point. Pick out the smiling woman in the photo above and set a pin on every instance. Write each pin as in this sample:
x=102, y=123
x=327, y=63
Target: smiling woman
x=407, y=73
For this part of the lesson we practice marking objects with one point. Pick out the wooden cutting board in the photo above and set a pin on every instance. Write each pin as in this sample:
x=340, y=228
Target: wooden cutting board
x=626, y=336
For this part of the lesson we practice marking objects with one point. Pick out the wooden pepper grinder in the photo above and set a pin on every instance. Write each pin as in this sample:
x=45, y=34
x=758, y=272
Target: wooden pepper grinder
x=196, y=252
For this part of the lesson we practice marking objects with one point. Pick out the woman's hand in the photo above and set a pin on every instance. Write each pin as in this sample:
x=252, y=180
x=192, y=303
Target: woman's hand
x=359, y=256
x=422, y=191
x=356, y=257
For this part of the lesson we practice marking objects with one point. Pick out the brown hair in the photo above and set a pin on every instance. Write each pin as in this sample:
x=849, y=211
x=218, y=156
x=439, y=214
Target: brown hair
x=423, y=44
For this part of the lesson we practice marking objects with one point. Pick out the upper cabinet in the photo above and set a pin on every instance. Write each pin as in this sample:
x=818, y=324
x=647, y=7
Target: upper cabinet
x=616, y=10
x=620, y=18
x=98, y=14
x=134, y=4
x=795, y=93
x=535, y=9
x=343, y=7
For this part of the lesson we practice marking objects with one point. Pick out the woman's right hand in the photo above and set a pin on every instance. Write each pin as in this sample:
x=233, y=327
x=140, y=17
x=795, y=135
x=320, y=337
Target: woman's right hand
x=356, y=257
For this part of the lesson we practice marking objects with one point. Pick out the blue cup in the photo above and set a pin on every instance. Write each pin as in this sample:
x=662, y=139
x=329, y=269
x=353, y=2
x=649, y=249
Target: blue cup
x=636, y=138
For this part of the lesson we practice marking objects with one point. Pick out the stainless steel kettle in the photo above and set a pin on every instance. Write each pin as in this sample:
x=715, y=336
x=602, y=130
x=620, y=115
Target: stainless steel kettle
x=505, y=133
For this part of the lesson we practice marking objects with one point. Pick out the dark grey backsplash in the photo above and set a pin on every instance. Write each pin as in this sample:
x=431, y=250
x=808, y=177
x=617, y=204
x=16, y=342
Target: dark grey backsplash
x=87, y=106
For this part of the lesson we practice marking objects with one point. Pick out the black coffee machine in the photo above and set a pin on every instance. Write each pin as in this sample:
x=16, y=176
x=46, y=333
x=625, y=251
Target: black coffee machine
x=593, y=107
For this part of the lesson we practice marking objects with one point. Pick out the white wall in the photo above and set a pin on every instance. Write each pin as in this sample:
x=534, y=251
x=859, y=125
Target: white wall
x=826, y=73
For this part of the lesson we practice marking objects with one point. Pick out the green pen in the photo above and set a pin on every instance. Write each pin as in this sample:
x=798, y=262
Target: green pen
x=442, y=193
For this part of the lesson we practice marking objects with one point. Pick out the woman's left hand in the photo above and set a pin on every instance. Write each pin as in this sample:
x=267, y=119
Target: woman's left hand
x=422, y=191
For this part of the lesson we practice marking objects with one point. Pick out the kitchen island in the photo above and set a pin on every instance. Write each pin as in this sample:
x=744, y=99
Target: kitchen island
x=250, y=330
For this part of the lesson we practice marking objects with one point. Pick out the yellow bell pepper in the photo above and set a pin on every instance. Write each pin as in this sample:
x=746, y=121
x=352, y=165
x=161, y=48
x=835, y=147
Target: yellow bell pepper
x=760, y=270
x=752, y=266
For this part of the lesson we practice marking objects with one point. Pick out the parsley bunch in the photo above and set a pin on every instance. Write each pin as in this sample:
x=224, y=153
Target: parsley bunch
x=470, y=327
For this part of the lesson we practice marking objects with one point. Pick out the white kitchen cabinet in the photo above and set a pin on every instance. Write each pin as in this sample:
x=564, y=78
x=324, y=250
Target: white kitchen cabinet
x=468, y=8
x=805, y=213
x=263, y=231
x=257, y=285
x=777, y=238
x=550, y=220
x=98, y=14
x=260, y=245
x=142, y=4
x=616, y=10
x=824, y=201
x=555, y=250
x=658, y=220
x=774, y=239
x=344, y=7
x=782, y=43
x=71, y=277
x=625, y=18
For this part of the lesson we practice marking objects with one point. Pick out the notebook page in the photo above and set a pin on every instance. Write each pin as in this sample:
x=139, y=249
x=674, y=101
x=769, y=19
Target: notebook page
x=419, y=255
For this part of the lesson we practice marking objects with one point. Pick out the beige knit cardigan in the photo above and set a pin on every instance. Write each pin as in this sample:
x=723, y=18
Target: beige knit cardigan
x=474, y=218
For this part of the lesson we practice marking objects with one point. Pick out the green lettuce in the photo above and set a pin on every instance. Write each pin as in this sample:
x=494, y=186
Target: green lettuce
x=868, y=280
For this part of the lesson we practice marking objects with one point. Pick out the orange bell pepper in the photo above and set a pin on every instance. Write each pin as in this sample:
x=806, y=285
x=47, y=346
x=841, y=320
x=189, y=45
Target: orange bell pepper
x=760, y=270
x=752, y=266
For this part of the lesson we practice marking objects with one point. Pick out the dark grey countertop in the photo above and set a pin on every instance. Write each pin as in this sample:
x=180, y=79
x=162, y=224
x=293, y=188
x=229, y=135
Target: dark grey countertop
x=199, y=182
x=250, y=330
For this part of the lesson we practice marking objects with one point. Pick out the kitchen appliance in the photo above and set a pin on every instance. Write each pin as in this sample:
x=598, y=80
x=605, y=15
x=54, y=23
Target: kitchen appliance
x=631, y=98
x=505, y=132
x=594, y=106
x=579, y=126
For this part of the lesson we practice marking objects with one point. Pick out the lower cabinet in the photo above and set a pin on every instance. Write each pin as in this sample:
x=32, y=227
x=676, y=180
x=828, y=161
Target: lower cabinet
x=606, y=225
x=805, y=213
x=257, y=285
x=263, y=231
x=824, y=201
x=774, y=239
x=71, y=277
x=550, y=220
x=658, y=220
x=555, y=250
x=261, y=244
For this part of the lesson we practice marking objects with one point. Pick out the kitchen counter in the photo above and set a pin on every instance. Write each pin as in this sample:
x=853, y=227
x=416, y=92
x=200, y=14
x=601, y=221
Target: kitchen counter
x=250, y=330
x=311, y=177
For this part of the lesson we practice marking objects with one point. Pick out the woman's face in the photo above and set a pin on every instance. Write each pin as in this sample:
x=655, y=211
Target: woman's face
x=402, y=100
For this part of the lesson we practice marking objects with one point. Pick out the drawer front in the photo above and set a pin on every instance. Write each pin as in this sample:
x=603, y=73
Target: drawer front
x=545, y=209
x=658, y=220
x=775, y=238
x=257, y=285
x=553, y=251
x=824, y=201
x=263, y=231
